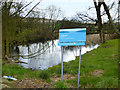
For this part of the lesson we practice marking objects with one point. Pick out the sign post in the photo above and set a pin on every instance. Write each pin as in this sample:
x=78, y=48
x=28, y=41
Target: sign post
x=71, y=37
x=61, y=63
x=79, y=68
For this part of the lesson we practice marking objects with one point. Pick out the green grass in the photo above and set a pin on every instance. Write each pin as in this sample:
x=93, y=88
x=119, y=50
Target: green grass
x=21, y=73
x=104, y=58
x=60, y=84
x=44, y=74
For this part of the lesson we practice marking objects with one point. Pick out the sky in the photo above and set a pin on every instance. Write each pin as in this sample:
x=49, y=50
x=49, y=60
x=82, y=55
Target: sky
x=69, y=7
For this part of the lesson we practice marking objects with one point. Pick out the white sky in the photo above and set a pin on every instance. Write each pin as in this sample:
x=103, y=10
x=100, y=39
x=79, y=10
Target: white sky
x=69, y=7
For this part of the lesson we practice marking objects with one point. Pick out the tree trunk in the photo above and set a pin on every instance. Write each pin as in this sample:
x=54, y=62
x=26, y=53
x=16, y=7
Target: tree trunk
x=119, y=15
x=109, y=17
x=100, y=28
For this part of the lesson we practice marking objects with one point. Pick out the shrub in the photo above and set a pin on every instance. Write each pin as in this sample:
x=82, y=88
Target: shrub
x=44, y=74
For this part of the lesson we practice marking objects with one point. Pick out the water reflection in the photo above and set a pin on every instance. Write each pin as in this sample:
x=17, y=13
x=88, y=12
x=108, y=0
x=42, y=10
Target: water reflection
x=44, y=55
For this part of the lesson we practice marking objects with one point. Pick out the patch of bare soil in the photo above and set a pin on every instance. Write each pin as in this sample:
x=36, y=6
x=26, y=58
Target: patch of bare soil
x=7, y=84
x=97, y=73
x=65, y=77
x=31, y=83
x=113, y=55
x=34, y=83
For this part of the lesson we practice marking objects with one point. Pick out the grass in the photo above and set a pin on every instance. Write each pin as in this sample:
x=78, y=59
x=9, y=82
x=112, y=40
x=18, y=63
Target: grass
x=104, y=58
x=60, y=84
x=21, y=73
x=44, y=74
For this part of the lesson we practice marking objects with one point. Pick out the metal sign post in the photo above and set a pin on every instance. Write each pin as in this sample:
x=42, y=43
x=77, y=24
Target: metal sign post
x=79, y=68
x=71, y=37
x=61, y=63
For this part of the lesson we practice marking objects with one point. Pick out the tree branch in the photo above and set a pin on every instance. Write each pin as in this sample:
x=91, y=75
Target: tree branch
x=109, y=17
x=82, y=16
x=33, y=8
x=21, y=8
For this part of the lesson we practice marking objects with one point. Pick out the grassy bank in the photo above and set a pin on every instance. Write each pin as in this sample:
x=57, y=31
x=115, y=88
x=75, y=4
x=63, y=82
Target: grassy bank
x=99, y=69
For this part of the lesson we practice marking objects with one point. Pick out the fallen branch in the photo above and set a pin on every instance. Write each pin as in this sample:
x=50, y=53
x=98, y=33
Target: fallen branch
x=19, y=62
x=7, y=58
x=14, y=61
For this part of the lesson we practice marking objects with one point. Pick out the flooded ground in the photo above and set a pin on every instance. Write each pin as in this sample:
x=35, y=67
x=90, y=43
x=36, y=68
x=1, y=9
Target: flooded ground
x=44, y=55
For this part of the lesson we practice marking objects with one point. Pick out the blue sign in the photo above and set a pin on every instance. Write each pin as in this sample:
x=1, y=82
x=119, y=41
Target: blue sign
x=72, y=37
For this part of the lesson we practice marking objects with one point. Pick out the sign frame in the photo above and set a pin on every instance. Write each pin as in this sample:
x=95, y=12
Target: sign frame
x=72, y=37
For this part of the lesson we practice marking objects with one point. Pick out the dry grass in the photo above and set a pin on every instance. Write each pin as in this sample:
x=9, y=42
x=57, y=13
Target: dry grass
x=97, y=73
x=93, y=39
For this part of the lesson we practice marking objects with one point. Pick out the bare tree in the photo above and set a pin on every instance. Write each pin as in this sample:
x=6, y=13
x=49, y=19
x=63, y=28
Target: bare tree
x=109, y=17
x=99, y=21
x=11, y=11
x=53, y=14
x=97, y=5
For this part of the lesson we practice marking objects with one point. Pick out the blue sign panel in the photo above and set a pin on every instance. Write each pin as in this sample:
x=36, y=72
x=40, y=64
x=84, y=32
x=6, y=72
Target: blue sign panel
x=72, y=37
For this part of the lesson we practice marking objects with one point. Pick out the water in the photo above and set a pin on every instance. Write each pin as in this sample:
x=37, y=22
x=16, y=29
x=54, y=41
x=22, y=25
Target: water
x=44, y=55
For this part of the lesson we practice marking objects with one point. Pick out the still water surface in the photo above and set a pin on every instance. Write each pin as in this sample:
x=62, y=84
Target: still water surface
x=45, y=55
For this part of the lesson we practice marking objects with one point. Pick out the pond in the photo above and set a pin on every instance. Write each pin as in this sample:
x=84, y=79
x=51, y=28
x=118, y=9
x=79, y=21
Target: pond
x=44, y=55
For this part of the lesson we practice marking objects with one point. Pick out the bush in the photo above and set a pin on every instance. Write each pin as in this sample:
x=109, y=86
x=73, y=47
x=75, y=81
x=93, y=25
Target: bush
x=44, y=74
